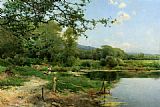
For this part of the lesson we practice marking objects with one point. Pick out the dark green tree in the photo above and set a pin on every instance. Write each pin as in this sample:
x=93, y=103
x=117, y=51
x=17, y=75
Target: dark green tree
x=23, y=16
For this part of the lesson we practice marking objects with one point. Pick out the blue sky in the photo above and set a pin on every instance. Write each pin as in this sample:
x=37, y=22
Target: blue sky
x=137, y=28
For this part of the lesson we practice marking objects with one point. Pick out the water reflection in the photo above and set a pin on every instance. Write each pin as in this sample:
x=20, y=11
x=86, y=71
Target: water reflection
x=105, y=76
x=137, y=89
x=138, y=92
x=112, y=76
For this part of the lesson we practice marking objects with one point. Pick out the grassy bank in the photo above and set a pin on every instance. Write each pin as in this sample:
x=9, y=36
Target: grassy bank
x=65, y=80
x=139, y=65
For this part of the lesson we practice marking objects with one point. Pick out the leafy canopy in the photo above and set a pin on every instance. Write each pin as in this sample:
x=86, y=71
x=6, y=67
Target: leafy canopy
x=23, y=16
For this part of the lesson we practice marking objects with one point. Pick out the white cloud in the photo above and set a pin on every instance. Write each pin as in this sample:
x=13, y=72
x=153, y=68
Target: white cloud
x=119, y=3
x=113, y=2
x=122, y=16
x=126, y=46
x=122, y=5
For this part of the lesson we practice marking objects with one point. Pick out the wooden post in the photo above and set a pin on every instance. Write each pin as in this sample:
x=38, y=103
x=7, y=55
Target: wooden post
x=104, y=91
x=42, y=93
x=54, y=84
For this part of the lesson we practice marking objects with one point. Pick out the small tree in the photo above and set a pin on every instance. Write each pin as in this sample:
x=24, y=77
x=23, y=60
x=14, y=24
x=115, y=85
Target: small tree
x=111, y=61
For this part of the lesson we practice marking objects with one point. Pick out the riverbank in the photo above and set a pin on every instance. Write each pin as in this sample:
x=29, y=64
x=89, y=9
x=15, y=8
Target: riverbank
x=22, y=86
x=29, y=95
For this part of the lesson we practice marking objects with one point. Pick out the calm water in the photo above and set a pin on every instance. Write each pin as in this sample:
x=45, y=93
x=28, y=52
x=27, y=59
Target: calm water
x=138, y=92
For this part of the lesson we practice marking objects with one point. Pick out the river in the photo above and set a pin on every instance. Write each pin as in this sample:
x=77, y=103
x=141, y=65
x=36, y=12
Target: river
x=132, y=89
x=138, y=92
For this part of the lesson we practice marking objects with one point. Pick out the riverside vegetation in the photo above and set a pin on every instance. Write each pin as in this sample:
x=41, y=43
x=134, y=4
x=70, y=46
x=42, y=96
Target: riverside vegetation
x=39, y=55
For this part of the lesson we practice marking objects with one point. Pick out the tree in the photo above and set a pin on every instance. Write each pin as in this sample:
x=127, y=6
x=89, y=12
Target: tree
x=111, y=61
x=70, y=46
x=107, y=51
x=9, y=44
x=23, y=16
x=119, y=53
x=45, y=43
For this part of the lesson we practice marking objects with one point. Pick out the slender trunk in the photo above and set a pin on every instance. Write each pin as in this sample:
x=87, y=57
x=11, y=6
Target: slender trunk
x=54, y=84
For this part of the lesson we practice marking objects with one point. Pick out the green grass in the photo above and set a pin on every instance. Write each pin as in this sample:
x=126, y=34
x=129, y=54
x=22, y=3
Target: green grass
x=2, y=68
x=143, y=62
x=65, y=80
x=22, y=75
x=69, y=82
x=12, y=81
x=28, y=71
x=147, y=64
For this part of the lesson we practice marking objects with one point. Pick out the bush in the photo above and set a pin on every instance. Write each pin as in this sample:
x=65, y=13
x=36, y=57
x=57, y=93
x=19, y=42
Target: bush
x=75, y=68
x=18, y=60
x=111, y=61
x=60, y=69
x=103, y=62
x=2, y=68
x=155, y=65
x=69, y=61
x=120, y=62
x=119, y=68
x=4, y=62
x=86, y=64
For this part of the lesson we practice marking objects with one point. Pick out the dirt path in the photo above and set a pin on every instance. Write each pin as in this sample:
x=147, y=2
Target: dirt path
x=19, y=96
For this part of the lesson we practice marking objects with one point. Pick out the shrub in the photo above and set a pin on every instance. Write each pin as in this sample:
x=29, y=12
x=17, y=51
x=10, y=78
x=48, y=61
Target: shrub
x=60, y=69
x=120, y=61
x=155, y=65
x=119, y=68
x=103, y=62
x=111, y=61
x=86, y=64
x=4, y=62
x=75, y=68
x=2, y=68
x=18, y=60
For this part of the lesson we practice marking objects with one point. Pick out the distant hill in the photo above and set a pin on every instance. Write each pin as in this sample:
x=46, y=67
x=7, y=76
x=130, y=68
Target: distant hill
x=85, y=47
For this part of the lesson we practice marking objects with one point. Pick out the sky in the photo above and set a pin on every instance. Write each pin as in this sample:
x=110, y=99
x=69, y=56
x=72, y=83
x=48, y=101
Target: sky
x=137, y=28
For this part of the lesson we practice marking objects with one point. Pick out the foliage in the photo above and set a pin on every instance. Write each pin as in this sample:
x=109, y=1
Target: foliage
x=70, y=46
x=28, y=71
x=142, y=56
x=75, y=69
x=60, y=69
x=103, y=62
x=5, y=63
x=9, y=44
x=12, y=81
x=45, y=30
x=46, y=44
x=22, y=16
x=74, y=84
x=110, y=61
x=2, y=68
x=86, y=63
